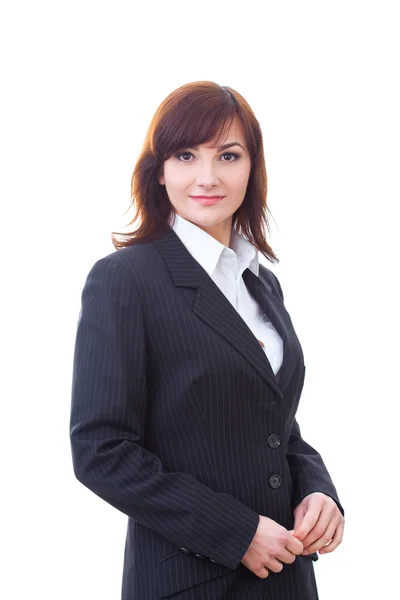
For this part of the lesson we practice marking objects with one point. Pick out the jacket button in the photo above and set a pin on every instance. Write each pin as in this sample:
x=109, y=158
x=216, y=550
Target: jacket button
x=185, y=550
x=274, y=440
x=274, y=481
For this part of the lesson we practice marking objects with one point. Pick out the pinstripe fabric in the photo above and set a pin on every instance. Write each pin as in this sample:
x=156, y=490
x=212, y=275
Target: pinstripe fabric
x=173, y=401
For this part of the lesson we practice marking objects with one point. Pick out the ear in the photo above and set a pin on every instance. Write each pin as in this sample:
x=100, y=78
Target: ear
x=161, y=180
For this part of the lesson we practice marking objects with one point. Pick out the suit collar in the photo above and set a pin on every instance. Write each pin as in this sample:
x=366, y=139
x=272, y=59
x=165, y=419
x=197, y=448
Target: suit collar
x=217, y=312
x=207, y=250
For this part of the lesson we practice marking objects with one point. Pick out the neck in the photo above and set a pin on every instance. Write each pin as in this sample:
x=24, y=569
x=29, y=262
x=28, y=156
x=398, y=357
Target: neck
x=220, y=232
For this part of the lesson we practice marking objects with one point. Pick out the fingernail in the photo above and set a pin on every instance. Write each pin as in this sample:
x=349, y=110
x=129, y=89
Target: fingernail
x=305, y=553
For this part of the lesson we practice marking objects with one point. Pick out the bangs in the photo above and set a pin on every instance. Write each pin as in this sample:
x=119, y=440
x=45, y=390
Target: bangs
x=194, y=122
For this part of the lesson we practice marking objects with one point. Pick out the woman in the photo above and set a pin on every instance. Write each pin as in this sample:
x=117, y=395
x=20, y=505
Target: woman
x=188, y=373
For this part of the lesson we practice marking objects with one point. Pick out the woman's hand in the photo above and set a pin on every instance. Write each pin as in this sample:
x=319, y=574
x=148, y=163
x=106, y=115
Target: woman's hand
x=318, y=522
x=271, y=546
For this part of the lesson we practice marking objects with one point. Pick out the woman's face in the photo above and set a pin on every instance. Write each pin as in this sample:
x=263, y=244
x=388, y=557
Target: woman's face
x=209, y=171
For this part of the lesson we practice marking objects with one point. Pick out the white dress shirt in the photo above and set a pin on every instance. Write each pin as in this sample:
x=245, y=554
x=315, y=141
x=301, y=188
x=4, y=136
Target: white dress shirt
x=225, y=267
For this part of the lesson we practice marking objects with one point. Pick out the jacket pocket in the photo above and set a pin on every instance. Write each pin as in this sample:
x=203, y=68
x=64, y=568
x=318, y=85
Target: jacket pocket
x=170, y=555
x=179, y=571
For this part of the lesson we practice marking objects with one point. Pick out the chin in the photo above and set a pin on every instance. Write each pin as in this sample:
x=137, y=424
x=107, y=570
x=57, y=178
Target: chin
x=207, y=220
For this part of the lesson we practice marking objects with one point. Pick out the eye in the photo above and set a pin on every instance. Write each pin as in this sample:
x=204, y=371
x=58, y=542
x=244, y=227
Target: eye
x=233, y=156
x=183, y=154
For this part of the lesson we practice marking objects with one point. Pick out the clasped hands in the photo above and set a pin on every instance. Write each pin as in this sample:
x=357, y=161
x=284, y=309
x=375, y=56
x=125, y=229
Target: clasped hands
x=318, y=526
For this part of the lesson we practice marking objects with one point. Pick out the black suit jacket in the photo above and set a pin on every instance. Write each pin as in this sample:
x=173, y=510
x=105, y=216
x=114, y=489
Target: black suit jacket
x=178, y=421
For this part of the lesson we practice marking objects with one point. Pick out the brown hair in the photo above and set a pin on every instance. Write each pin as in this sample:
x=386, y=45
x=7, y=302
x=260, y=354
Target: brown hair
x=194, y=114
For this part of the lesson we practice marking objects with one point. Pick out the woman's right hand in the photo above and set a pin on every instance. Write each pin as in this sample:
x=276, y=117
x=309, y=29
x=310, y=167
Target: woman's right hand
x=271, y=546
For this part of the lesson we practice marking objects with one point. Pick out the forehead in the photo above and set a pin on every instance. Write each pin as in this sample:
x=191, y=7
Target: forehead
x=235, y=133
x=208, y=131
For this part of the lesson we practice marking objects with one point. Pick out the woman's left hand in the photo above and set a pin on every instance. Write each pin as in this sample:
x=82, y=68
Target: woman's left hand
x=318, y=522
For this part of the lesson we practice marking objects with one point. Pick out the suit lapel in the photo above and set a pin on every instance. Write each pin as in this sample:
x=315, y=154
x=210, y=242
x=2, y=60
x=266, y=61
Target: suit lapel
x=212, y=307
x=275, y=311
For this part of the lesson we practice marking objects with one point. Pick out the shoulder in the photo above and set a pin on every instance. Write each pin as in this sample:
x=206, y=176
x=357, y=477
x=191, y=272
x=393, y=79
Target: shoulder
x=272, y=280
x=123, y=270
x=131, y=259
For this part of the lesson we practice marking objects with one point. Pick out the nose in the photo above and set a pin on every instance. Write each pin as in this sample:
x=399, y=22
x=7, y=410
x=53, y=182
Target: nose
x=207, y=175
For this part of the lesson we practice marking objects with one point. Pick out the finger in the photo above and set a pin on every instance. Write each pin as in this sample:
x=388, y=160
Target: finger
x=336, y=540
x=274, y=565
x=298, y=517
x=262, y=573
x=320, y=526
x=310, y=518
x=292, y=532
x=294, y=546
x=325, y=538
x=286, y=556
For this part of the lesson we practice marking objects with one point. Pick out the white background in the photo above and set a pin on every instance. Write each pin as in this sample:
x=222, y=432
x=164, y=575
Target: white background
x=81, y=81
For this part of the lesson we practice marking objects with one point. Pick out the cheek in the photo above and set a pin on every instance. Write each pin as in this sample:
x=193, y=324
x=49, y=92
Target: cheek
x=239, y=180
x=177, y=179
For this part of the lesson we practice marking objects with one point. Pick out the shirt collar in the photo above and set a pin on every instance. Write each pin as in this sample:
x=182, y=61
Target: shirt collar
x=207, y=250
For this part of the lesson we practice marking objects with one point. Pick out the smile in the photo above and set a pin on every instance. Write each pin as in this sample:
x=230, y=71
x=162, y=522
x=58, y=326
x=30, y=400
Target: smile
x=207, y=200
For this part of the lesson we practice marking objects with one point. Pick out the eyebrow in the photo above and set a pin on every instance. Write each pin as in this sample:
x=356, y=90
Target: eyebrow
x=224, y=146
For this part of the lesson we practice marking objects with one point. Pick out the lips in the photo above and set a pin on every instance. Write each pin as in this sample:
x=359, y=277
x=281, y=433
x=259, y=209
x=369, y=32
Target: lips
x=207, y=200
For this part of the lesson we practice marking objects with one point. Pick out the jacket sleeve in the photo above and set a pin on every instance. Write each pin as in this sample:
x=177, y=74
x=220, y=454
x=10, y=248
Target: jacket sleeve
x=109, y=408
x=308, y=470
